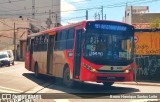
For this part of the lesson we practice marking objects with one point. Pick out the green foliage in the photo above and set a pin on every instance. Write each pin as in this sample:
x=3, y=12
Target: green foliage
x=155, y=24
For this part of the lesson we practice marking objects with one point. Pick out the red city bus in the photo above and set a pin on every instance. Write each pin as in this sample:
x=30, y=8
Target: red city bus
x=97, y=51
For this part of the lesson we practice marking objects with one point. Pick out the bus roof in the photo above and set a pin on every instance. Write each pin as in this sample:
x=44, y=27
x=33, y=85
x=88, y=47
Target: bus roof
x=52, y=31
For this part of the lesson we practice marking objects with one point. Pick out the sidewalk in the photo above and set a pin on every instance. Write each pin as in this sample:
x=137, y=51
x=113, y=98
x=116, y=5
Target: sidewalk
x=143, y=83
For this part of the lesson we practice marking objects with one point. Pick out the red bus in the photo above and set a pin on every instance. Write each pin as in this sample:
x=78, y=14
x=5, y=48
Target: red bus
x=97, y=51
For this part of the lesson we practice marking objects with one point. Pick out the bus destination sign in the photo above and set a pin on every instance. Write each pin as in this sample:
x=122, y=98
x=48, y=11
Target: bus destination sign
x=110, y=27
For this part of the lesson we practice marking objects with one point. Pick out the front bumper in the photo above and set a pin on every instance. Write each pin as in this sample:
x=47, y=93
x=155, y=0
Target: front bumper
x=106, y=77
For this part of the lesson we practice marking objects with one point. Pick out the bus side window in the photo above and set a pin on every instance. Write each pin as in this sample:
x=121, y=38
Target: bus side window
x=63, y=40
x=45, y=42
x=35, y=45
x=70, y=39
x=38, y=44
x=57, y=41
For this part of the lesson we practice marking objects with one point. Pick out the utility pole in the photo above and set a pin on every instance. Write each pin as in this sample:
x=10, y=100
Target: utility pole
x=86, y=14
x=95, y=16
x=49, y=22
x=33, y=9
x=52, y=14
x=56, y=20
x=126, y=13
x=99, y=16
x=105, y=17
x=14, y=41
x=52, y=5
x=102, y=12
x=131, y=13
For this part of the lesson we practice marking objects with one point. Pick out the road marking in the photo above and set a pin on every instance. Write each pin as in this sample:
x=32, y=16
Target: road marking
x=61, y=100
x=9, y=90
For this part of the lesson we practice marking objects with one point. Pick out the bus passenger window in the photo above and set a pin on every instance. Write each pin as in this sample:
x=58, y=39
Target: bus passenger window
x=46, y=42
x=63, y=40
x=57, y=41
x=36, y=40
x=70, y=39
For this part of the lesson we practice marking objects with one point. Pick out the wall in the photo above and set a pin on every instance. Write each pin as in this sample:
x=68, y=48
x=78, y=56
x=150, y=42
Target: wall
x=148, y=43
x=149, y=67
x=148, y=55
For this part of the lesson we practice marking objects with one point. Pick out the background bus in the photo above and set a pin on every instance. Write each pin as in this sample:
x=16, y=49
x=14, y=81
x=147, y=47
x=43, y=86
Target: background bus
x=97, y=51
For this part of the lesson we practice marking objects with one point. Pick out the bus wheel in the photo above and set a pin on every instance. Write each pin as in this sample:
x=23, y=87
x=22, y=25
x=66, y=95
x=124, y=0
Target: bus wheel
x=66, y=78
x=36, y=70
x=108, y=84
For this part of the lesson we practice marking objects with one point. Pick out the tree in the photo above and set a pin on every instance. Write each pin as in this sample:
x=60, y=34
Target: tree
x=155, y=24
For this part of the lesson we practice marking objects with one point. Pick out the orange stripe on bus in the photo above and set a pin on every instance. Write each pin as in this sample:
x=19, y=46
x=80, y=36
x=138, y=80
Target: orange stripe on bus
x=52, y=33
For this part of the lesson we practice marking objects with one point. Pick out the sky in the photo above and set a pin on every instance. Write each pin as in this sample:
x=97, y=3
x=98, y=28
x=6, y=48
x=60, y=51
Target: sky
x=113, y=9
x=110, y=10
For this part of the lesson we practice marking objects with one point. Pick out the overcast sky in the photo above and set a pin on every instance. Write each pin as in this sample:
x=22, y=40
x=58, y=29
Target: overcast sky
x=114, y=9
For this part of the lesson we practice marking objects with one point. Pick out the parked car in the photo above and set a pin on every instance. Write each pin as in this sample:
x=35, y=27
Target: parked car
x=6, y=58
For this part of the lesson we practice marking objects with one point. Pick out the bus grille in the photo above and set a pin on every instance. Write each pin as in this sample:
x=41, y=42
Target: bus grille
x=111, y=71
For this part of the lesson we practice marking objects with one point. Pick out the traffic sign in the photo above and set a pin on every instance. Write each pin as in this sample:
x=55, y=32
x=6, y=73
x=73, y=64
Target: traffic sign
x=136, y=39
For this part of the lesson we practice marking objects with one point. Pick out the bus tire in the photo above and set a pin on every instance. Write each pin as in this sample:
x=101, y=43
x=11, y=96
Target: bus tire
x=108, y=84
x=66, y=78
x=36, y=74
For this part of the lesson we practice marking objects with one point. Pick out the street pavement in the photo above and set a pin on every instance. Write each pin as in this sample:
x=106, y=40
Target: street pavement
x=141, y=83
x=16, y=79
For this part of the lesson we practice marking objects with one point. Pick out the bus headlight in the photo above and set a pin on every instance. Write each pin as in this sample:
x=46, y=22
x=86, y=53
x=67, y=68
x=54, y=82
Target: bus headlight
x=89, y=68
x=127, y=71
x=93, y=70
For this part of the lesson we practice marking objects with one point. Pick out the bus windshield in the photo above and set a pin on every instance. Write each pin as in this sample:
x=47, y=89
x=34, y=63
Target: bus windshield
x=108, y=48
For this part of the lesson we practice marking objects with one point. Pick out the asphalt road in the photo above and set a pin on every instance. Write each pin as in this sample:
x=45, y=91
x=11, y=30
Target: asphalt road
x=16, y=79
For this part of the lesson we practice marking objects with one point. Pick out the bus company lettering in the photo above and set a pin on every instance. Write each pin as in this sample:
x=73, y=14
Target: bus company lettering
x=111, y=27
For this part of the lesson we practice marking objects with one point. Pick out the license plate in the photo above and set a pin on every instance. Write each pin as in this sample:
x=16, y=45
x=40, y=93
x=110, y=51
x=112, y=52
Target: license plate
x=111, y=78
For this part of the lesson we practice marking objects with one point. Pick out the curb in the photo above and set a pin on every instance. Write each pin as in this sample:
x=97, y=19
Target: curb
x=139, y=83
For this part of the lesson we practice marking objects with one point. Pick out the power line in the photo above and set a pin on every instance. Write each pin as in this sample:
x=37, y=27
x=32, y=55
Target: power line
x=71, y=3
x=47, y=6
x=6, y=24
x=6, y=36
x=10, y=1
x=7, y=30
x=73, y=18
x=108, y=6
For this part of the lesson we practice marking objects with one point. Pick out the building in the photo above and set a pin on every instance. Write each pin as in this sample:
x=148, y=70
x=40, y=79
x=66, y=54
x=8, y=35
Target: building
x=13, y=34
x=14, y=31
x=147, y=41
x=140, y=17
x=54, y=14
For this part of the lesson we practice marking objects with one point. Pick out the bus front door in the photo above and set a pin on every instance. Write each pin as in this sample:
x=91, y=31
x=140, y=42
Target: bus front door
x=77, y=54
x=31, y=53
x=50, y=54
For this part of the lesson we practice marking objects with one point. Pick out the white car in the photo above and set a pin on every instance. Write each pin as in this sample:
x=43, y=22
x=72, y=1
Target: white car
x=6, y=58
